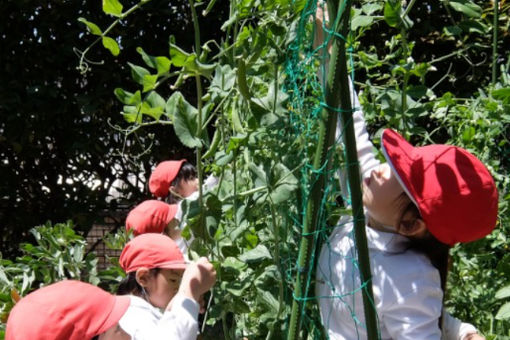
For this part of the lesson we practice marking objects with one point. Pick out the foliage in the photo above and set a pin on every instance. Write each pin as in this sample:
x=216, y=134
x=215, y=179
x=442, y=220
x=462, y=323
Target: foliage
x=421, y=67
x=59, y=253
x=60, y=157
x=249, y=225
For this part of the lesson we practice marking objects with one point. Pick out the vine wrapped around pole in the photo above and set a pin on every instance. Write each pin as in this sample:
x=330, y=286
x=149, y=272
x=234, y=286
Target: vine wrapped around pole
x=337, y=78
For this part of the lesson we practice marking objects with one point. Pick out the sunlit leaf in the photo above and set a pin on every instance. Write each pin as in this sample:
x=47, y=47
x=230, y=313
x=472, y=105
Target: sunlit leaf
x=111, y=45
x=91, y=27
x=113, y=7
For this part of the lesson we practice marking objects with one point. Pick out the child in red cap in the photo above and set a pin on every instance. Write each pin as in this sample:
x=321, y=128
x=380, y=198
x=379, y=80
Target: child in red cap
x=154, y=216
x=417, y=205
x=73, y=310
x=158, y=281
x=173, y=180
x=68, y=310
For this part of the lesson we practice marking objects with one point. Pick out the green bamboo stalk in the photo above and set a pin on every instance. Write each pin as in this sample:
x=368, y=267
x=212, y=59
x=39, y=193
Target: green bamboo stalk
x=354, y=180
x=495, y=42
x=327, y=127
x=196, y=28
x=337, y=79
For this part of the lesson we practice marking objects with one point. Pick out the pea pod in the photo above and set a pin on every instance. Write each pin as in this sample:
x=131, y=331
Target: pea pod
x=242, y=85
x=236, y=120
x=214, y=144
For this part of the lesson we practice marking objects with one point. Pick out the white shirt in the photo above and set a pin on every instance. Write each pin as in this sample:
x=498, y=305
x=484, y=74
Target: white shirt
x=142, y=321
x=406, y=287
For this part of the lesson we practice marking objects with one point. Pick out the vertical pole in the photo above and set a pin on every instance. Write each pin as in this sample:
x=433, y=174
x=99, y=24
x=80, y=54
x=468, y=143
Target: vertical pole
x=337, y=79
x=495, y=26
x=353, y=173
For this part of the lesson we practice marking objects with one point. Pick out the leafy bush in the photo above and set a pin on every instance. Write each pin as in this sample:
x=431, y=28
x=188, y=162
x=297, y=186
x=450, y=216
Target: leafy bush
x=58, y=254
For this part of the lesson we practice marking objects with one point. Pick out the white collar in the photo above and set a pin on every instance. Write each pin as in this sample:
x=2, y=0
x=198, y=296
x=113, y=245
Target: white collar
x=387, y=242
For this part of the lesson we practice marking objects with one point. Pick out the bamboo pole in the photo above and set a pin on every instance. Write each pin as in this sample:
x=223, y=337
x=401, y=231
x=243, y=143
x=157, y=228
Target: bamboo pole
x=337, y=79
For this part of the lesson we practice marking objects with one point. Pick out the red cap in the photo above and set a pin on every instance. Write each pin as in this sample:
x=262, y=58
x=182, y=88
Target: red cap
x=453, y=190
x=151, y=251
x=66, y=310
x=162, y=177
x=150, y=216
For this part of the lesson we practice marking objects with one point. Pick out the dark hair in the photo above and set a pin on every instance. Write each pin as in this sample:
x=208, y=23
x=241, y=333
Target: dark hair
x=129, y=285
x=187, y=172
x=437, y=252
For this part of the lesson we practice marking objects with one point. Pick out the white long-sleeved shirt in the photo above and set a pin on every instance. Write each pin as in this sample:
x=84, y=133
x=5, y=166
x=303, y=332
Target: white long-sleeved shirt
x=142, y=321
x=406, y=287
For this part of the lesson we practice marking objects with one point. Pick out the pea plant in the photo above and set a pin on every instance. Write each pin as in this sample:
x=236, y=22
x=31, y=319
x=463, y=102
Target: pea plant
x=249, y=224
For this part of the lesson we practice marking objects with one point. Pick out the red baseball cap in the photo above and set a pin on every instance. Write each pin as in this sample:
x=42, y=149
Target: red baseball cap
x=162, y=177
x=453, y=190
x=151, y=251
x=66, y=310
x=150, y=216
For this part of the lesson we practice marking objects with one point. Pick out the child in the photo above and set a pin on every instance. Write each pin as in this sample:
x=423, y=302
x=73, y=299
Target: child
x=154, y=266
x=173, y=180
x=417, y=205
x=154, y=216
x=68, y=310
x=73, y=310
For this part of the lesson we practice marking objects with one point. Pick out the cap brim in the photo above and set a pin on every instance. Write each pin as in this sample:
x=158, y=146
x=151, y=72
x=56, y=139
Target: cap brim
x=173, y=265
x=120, y=306
x=399, y=155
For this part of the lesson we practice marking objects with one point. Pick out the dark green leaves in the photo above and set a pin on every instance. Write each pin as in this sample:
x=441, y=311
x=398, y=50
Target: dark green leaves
x=185, y=120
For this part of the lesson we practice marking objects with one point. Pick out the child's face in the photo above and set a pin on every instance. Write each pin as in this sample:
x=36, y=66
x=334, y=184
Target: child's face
x=381, y=193
x=186, y=188
x=163, y=286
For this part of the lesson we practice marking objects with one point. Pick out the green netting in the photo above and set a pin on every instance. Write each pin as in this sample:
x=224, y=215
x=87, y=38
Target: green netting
x=306, y=82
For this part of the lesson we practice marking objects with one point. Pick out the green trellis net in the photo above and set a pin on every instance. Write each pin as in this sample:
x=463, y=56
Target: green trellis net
x=306, y=67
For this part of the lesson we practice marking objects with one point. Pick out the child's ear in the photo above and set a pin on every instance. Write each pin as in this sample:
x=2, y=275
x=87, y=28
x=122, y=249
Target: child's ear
x=415, y=228
x=142, y=276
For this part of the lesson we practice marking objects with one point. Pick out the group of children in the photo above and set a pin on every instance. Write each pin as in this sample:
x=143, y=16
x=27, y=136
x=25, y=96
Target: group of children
x=418, y=204
x=159, y=298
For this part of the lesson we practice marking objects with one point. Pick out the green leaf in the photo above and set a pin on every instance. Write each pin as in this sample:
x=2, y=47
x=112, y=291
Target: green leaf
x=503, y=293
x=392, y=11
x=257, y=254
x=473, y=26
x=468, y=134
x=91, y=27
x=285, y=185
x=504, y=312
x=149, y=81
x=185, y=120
x=370, y=8
x=138, y=73
x=161, y=64
x=123, y=96
x=111, y=45
x=113, y=7
x=502, y=94
x=132, y=114
x=468, y=8
x=361, y=21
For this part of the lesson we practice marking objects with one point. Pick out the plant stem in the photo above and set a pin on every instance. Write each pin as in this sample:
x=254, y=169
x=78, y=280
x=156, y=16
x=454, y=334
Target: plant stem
x=495, y=25
x=112, y=25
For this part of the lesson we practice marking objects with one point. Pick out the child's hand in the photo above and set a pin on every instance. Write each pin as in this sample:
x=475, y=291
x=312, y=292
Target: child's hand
x=321, y=21
x=198, y=278
x=474, y=336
